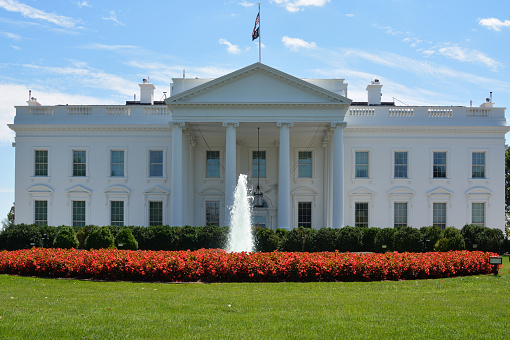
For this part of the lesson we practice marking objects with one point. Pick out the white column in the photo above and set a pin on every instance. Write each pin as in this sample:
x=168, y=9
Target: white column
x=338, y=174
x=284, y=176
x=176, y=180
x=230, y=168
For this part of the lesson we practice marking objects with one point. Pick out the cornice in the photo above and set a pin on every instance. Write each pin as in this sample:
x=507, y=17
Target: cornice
x=428, y=129
x=73, y=127
x=290, y=105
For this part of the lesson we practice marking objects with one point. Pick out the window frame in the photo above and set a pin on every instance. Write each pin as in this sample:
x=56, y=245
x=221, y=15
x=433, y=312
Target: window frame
x=151, y=222
x=446, y=165
x=446, y=214
x=206, y=172
x=74, y=222
x=484, y=213
x=356, y=222
x=369, y=165
x=47, y=150
x=485, y=167
x=163, y=160
x=36, y=201
x=254, y=166
x=309, y=224
x=110, y=217
x=394, y=164
x=111, y=150
x=87, y=162
x=218, y=208
x=399, y=224
x=308, y=167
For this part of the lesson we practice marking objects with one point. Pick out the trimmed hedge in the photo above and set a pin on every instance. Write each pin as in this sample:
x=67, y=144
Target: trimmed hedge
x=352, y=239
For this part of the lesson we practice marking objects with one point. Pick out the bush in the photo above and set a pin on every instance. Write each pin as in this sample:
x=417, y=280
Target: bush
x=48, y=234
x=369, y=236
x=407, y=239
x=491, y=240
x=384, y=238
x=452, y=240
x=187, y=238
x=126, y=240
x=66, y=238
x=350, y=239
x=430, y=236
x=99, y=238
x=325, y=239
x=161, y=237
x=82, y=234
x=266, y=240
x=212, y=237
x=471, y=234
x=298, y=239
x=21, y=236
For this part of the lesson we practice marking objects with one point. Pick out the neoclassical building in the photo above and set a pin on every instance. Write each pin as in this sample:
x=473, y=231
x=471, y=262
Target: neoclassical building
x=319, y=159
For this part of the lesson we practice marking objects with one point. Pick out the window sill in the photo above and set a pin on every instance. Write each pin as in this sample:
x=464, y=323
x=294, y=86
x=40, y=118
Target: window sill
x=79, y=178
x=401, y=180
x=440, y=180
x=117, y=179
x=362, y=180
x=155, y=179
x=40, y=178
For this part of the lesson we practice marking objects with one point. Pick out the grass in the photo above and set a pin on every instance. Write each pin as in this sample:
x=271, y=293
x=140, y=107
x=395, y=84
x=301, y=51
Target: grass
x=475, y=307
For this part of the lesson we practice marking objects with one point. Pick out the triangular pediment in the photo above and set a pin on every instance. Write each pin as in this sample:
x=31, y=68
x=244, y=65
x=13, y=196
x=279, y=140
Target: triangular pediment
x=362, y=192
x=156, y=191
x=440, y=192
x=78, y=189
x=256, y=84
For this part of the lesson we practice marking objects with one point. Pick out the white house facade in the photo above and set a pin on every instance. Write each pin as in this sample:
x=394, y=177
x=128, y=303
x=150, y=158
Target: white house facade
x=320, y=159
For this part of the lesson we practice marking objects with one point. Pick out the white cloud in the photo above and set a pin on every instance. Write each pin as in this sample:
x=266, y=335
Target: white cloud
x=82, y=4
x=231, y=48
x=350, y=15
x=11, y=35
x=16, y=47
x=34, y=13
x=113, y=17
x=493, y=23
x=294, y=44
x=453, y=51
x=107, y=47
x=246, y=4
x=297, y=5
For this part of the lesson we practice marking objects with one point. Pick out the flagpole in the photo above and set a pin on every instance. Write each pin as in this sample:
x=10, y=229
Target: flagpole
x=260, y=54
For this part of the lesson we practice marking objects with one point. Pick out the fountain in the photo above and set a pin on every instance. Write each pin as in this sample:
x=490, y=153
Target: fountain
x=240, y=237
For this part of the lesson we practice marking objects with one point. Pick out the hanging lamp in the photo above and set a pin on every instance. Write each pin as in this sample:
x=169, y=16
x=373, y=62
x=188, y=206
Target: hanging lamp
x=258, y=201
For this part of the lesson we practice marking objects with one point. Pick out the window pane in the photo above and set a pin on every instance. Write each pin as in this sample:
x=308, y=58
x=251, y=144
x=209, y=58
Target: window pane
x=117, y=164
x=305, y=164
x=41, y=212
x=117, y=213
x=212, y=213
x=305, y=214
x=361, y=214
x=259, y=164
x=213, y=164
x=156, y=163
x=79, y=163
x=439, y=215
x=400, y=217
x=400, y=164
x=478, y=166
x=155, y=213
x=361, y=164
x=78, y=213
x=259, y=221
x=478, y=213
x=41, y=163
x=439, y=170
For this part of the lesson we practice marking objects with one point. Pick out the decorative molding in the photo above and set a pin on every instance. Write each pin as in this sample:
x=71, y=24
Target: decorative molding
x=177, y=123
x=75, y=127
x=289, y=124
x=234, y=124
x=292, y=105
x=428, y=129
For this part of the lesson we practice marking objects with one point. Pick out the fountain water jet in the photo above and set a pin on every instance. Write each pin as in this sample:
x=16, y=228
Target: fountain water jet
x=240, y=237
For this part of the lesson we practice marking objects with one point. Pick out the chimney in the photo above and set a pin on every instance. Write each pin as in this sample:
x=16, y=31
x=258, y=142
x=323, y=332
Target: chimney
x=374, y=92
x=488, y=102
x=146, y=92
x=31, y=100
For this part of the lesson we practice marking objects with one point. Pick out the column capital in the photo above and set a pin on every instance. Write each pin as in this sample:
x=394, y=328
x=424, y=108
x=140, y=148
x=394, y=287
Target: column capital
x=335, y=124
x=289, y=124
x=234, y=124
x=177, y=123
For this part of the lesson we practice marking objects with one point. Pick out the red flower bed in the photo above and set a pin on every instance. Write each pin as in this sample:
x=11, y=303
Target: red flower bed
x=214, y=265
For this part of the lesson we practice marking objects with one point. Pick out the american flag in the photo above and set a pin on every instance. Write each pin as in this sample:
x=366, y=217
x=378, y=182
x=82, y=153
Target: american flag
x=255, y=33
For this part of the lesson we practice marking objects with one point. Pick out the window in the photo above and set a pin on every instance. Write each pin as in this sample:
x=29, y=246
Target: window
x=155, y=163
x=79, y=163
x=212, y=213
x=361, y=164
x=41, y=212
x=78, y=213
x=400, y=164
x=155, y=213
x=117, y=213
x=259, y=221
x=439, y=168
x=400, y=215
x=259, y=164
x=478, y=165
x=305, y=214
x=41, y=163
x=478, y=214
x=361, y=214
x=213, y=164
x=439, y=215
x=305, y=164
x=117, y=163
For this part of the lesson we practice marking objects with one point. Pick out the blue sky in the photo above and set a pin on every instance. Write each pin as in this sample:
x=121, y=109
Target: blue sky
x=96, y=52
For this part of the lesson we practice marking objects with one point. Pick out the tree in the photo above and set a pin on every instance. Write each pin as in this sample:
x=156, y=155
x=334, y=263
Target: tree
x=9, y=220
x=507, y=181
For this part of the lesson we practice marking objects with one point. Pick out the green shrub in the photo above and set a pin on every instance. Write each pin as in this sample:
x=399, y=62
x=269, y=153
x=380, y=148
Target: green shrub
x=266, y=240
x=126, y=240
x=491, y=240
x=368, y=238
x=472, y=234
x=187, y=238
x=48, y=234
x=100, y=238
x=452, y=240
x=325, y=239
x=66, y=238
x=384, y=238
x=82, y=234
x=407, y=239
x=161, y=237
x=350, y=239
x=212, y=237
x=430, y=236
x=21, y=236
x=298, y=239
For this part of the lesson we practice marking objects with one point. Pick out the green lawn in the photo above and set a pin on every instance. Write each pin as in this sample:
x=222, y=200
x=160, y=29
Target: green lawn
x=476, y=307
